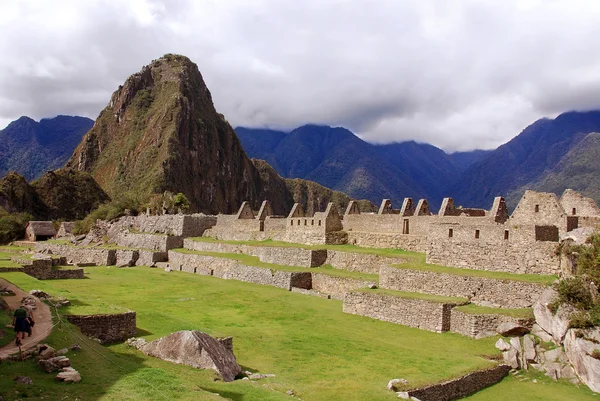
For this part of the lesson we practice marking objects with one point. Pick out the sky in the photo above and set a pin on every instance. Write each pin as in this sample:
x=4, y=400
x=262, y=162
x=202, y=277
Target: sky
x=460, y=75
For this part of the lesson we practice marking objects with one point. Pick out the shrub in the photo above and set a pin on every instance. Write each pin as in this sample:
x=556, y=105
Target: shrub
x=12, y=226
x=575, y=290
x=595, y=354
x=580, y=320
x=181, y=202
x=107, y=211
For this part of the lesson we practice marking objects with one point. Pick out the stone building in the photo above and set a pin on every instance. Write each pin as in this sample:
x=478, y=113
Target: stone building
x=65, y=229
x=524, y=242
x=39, y=231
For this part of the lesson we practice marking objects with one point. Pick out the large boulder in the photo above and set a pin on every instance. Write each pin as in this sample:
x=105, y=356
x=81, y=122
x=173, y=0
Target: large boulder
x=197, y=349
x=510, y=329
x=555, y=324
x=582, y=354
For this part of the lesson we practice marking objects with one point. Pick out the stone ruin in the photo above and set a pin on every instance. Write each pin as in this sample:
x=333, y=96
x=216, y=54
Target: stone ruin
x=468, y=238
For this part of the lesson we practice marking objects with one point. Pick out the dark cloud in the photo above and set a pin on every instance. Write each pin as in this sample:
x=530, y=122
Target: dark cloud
x=460, y=75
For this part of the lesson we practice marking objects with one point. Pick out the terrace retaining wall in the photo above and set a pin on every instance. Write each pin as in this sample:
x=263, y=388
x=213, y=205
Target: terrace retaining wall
x=335, y=286
x=408, y=242
x=106, y=328
x=480, y=290
x=98, y=256
x=231, y=269
x=155, y=242
x=483, y=325
x=461, y=387
x=422, y=314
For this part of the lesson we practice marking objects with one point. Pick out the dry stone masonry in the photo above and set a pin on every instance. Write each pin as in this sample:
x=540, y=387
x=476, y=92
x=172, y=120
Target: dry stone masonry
x=106, y=328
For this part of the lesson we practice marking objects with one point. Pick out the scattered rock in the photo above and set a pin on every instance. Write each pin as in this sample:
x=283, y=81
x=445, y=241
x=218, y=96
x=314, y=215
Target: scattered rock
x=502, y=345
x=69, y=375
x=529, y=352
x=396, y=384
x=403, y=395
x=372, y=286
x=511, y=358
x=259, y=376
x=45, y=352
x=39, y=294
x=515, y=342
x=555, y=355
x=196, y=349
x=54, y=364
x=510, y=329
x=75, y=347
x=136, y=342
x=23, y=380
x=290, y=393
x=62, y=351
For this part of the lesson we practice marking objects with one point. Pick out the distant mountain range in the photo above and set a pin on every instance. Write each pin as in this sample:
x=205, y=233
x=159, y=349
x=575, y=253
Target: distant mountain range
x=338, y=159
x=31, y=148
x=549, y=155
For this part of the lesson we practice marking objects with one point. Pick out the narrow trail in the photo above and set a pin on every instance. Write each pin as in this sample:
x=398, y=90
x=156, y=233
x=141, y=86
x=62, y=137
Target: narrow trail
x=43, y=321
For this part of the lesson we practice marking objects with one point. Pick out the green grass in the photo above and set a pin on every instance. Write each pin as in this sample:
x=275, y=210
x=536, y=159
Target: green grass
x=415, y=295
x=249, y=260
x=391, y=253
x=9, y=334
x=483, y=310
x=307, y=342
x=6, y=254
x=546, y=389
x=417, y=262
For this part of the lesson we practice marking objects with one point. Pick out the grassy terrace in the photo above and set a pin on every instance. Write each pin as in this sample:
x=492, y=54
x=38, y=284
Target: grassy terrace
x=411, y=260
x=249, y=260
x=417, y=262
x=312, y=347
x=391, y=253
x=415, y=295
x=473, y=309
x=6, y=253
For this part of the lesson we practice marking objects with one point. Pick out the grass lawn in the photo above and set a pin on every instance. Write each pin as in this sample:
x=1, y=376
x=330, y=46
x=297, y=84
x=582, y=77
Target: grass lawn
x=8, y=334
x=250, y=260
x=484, y=310
x=307, y=342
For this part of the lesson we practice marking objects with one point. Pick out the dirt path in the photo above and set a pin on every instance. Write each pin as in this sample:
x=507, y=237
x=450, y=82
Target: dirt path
x=43, y=320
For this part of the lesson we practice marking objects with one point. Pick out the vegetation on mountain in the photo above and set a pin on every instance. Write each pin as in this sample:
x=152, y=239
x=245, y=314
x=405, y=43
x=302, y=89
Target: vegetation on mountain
x=533, y=160
x=31, y=148
x=338, y=159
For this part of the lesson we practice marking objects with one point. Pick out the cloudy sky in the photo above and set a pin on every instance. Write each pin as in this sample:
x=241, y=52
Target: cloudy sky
x=458, y=74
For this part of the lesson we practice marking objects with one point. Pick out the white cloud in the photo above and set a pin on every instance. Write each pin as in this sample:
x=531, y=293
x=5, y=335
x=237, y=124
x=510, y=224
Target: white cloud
x=458, y=74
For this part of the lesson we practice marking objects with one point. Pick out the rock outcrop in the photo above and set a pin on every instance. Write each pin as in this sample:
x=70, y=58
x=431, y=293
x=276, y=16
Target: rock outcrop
x=192, y=348
x=554, y=323
x=583, y=350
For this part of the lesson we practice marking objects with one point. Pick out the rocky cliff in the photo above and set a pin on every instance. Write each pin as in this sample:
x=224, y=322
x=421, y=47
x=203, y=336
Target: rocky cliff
x=161, y=132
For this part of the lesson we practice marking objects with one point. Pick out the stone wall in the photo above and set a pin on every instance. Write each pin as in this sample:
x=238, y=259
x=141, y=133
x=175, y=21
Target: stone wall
x=482, y=325
x=336, y=286
x=157, y=242
x=408, y=242
x=42, y=269
x=98, y=256
x=461, y=387
x=480, y=290
x=492, y=247
x=126, y=257
x=276, y=255
x=150, y=258
x=62, y=274
x=358, y=262
x=106, y=328
x=422, y=314
x=575, y=204
x=231, y=269
x=179, y=225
